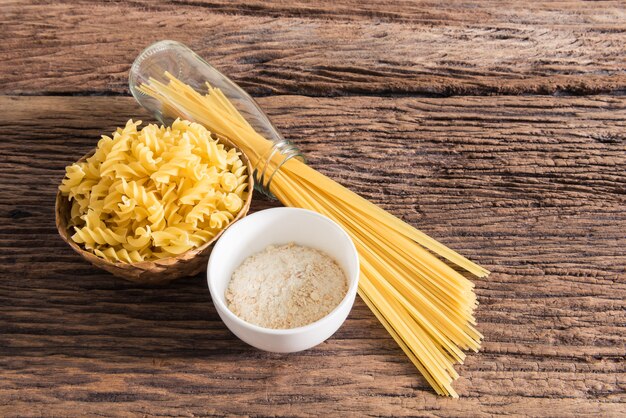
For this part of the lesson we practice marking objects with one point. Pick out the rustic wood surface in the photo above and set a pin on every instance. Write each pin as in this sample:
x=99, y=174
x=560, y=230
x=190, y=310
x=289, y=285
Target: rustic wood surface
x=325, y=49
x=531, y=186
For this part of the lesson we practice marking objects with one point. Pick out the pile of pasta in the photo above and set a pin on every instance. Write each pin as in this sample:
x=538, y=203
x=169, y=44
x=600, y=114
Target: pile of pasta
x=154, y=193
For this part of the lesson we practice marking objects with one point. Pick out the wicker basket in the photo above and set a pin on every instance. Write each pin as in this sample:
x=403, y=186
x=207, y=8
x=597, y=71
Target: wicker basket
x=158, y=271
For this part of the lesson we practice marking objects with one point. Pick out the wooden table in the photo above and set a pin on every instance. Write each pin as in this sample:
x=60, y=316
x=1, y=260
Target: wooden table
x=498, y=128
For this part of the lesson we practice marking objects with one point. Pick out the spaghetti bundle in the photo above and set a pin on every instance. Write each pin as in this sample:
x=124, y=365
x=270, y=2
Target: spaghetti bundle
x=424, y=304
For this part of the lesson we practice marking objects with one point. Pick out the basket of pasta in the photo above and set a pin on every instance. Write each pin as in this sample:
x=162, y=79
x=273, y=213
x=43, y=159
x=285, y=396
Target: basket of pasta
x=148, y=204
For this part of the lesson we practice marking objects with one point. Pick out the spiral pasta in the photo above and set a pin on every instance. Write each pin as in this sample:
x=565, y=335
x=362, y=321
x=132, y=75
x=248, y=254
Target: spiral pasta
x=154, y=193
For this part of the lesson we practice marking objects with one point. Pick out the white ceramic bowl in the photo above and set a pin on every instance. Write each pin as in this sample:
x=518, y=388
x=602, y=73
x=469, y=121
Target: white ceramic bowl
x=282, y=226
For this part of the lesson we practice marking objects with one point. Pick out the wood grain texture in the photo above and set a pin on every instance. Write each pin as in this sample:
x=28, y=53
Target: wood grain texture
x=533, y=188
x=326, y=48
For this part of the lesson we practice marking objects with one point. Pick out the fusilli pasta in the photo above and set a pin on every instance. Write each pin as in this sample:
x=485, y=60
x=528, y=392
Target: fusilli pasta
x=155, y=192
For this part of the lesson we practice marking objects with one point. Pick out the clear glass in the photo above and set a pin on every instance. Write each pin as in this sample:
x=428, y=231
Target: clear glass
x=188, y=67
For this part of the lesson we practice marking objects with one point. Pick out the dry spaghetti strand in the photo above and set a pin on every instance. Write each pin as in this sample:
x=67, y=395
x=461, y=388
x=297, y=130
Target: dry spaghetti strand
x=424, y=304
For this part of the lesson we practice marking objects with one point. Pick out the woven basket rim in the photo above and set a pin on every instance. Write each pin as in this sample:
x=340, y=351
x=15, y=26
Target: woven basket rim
x=147, y=265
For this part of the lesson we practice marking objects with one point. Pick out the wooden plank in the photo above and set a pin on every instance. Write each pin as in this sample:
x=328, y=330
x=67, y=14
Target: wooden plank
x=533, y=188
x=328, y=49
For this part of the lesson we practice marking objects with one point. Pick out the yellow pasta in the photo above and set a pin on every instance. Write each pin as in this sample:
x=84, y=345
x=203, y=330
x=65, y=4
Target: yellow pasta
x=425, y=304
x=154, y=193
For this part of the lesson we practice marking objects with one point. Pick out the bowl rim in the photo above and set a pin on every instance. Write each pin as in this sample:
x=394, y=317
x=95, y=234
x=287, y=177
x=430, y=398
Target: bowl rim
x=63, y=227
x=347, y=299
